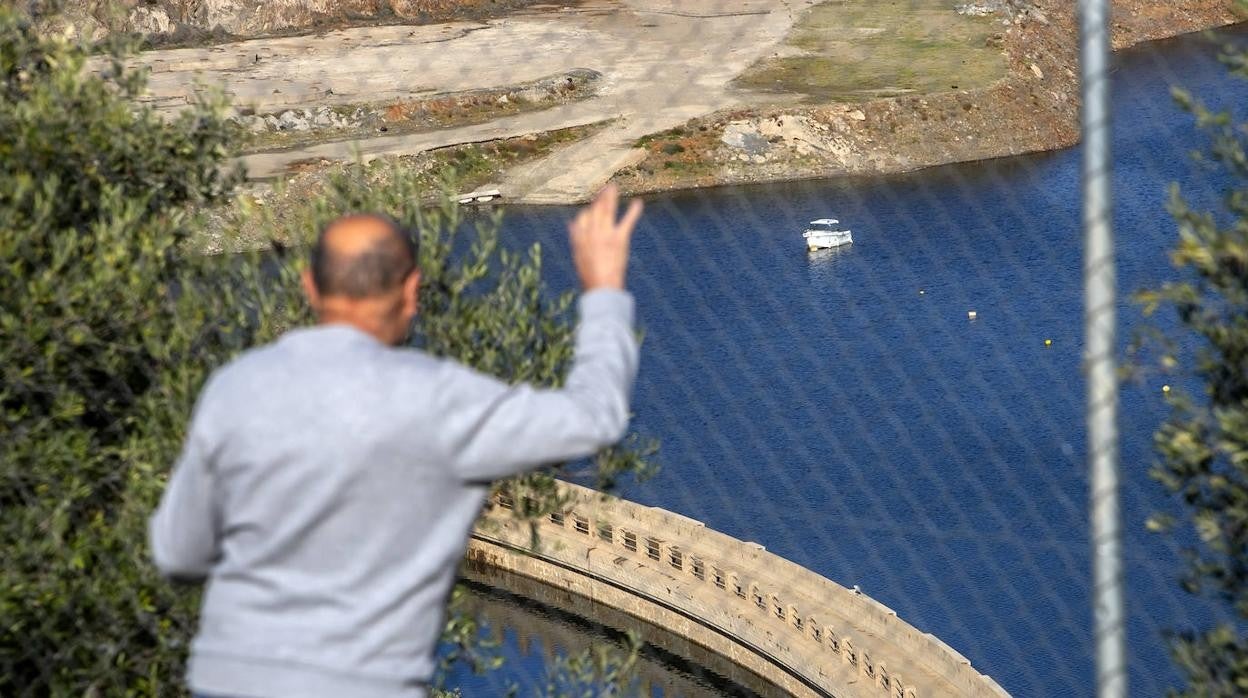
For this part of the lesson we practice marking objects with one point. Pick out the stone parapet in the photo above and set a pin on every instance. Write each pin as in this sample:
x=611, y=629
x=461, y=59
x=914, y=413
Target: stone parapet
x=803, y=632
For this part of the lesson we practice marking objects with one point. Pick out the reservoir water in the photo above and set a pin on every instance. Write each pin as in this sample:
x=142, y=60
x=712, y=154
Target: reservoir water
x=842, y=410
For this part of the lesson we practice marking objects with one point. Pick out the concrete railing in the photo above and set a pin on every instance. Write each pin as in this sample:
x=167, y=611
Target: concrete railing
x=800, y=631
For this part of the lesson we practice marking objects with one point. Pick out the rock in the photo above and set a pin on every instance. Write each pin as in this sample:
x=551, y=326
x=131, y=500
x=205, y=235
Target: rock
x=323, y=117
x=1011, y=10
x=145, y=19
x=745, y=136
x=72, y=26
x=409, y=9
x=272, y=122
x=217, y=14
x=242, y=18
x=291, y=121
x=857, y=115
x=503, y=100
x=252, y=17
x=1035, y=69
x=797, y=132
x=256, y=124
x=977, y=9
x=533, y=94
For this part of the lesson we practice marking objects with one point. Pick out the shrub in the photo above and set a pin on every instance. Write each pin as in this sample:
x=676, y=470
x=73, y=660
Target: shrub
x=99, y=359
x=108, y=328
x=1204, y=442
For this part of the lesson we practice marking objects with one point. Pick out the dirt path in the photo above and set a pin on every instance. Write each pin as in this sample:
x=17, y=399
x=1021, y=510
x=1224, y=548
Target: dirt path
x=273, y=164
x=663, y=61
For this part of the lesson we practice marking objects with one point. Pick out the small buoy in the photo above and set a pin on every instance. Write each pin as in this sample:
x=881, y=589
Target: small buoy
x=921, y=292
x=1048, y=342
x=971, y=314
x=1165, y=388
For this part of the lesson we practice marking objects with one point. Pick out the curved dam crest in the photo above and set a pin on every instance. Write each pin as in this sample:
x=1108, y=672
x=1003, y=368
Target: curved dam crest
x=798, y=630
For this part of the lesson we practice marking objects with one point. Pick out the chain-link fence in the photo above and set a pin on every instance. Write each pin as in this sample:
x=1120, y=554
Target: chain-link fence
x=904, y=414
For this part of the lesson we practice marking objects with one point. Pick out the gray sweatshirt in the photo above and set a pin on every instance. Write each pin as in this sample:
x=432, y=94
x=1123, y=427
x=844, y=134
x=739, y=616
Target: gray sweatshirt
x=328, y=486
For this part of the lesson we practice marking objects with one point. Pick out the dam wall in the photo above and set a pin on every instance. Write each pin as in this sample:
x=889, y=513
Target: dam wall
x=800, y=631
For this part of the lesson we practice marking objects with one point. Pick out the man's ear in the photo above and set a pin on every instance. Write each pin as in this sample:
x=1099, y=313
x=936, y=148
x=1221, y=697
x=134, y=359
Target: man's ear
x=411, y=292
x=309, y=290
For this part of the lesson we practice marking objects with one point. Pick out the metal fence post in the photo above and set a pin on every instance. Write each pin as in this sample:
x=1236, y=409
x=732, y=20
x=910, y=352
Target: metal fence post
x=1099, y=326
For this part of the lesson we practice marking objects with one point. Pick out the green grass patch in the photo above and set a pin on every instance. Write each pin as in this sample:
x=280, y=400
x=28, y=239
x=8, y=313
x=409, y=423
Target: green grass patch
x=854, y=50
x=670, y=134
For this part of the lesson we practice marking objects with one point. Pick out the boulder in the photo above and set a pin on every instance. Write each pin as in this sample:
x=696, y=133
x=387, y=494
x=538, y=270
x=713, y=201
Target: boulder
x=293, y=121
x=146, y=19
x=255, y=124
x=797, y=132
x=745, y=136
x=323, y=117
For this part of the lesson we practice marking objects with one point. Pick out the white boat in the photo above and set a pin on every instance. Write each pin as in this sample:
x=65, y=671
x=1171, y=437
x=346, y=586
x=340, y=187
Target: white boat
x=822, y=234
x=481, y=196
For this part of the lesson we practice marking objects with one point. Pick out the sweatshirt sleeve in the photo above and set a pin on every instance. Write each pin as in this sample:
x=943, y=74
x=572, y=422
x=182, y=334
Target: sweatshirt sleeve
x=493, y=430
x=183, y=533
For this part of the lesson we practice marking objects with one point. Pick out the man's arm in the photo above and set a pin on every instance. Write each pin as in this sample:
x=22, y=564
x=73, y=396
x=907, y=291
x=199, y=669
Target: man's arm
x=493, y=430
x=183, y=533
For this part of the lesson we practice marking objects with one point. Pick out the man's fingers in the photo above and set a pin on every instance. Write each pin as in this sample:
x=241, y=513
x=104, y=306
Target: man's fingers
x=630, y=217
x=596, y=210
x=600, y=242
x=577, y=225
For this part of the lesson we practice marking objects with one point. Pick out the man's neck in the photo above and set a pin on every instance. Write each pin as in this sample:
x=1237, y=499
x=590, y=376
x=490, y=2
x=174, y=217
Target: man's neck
x=368, y=326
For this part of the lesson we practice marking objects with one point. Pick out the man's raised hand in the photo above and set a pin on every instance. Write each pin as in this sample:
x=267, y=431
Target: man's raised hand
x=600, y=243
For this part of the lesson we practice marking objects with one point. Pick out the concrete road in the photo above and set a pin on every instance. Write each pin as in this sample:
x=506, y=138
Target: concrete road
x=663, y=62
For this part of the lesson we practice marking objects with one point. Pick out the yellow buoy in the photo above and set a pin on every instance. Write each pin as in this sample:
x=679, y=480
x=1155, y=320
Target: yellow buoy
x=1048, y=342
x=1165, y=388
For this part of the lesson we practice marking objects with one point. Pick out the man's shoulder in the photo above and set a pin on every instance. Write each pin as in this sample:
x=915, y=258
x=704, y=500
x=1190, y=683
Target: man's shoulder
x=242, y=369
x=305, y=348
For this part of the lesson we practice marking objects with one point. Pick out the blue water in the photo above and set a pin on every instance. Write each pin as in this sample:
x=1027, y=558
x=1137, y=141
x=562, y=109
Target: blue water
x=841, y=409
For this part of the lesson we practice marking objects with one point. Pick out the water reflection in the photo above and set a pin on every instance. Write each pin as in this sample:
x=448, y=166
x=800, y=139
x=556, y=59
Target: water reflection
x=823, y=264
x=536, y=623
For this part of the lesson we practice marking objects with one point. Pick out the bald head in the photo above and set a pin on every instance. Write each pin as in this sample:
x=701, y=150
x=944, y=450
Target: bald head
x=362, y=255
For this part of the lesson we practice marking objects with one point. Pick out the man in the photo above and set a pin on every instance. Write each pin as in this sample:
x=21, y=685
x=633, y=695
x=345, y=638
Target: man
x=329, y=481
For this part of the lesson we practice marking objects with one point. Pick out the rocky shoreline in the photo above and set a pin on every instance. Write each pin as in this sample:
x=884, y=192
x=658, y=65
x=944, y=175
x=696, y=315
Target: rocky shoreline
x=1034, y=109
x=1004, y=83
x=165, y=23
x=290, y=128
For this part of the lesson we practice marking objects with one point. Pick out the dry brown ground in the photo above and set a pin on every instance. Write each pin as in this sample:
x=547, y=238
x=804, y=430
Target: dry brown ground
x=673, y=68
x=168, y=23
x=1135, y=21
x=1035, y=108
